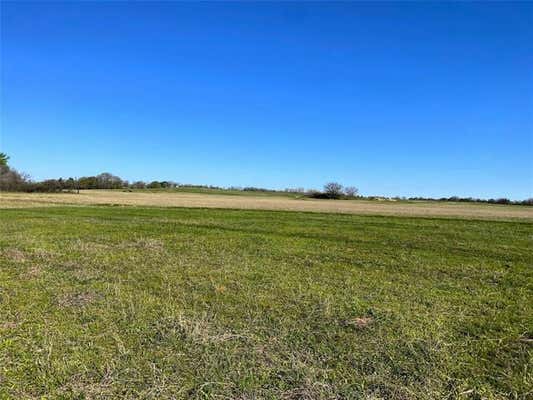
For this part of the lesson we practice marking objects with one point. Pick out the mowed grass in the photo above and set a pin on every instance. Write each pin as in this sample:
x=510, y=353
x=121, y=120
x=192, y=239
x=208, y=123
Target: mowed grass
x=153, y=303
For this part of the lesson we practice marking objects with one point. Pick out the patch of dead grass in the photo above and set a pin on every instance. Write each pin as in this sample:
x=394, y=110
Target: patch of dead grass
x=34, y=271
x=15, y=255
x=144, y=244
x=76, y=300
x=360, y=322
x=8, y=325
x=198, y=330
x=88, y=246
x=70, y=265
x=80, y=387
x=83, y=275
x=43, y=254
x=309, y=391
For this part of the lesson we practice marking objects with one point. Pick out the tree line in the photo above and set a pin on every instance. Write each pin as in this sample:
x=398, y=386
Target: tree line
x=12, y=180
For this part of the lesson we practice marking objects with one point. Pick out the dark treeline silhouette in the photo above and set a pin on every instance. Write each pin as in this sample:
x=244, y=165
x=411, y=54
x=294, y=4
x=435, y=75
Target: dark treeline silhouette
x=12, y=180
x=501, y=200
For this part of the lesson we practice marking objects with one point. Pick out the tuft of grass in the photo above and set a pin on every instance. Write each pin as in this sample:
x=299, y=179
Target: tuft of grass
x=131, y=302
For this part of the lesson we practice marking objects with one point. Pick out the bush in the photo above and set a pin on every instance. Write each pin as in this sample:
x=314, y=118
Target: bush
x=154, y=185
x=315, y=194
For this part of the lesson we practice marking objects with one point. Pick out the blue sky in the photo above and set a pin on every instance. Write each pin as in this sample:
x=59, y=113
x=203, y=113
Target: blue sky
x=429, y=99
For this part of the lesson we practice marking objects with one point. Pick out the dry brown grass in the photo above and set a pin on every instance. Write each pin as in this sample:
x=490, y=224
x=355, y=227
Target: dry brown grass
x=173, y=199
x=33, y=272
x=76, y=299
x=14, y=255
x=361, y=322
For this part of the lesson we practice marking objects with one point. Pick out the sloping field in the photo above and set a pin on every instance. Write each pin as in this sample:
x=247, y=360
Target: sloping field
x=250, y=202
x=176, y=303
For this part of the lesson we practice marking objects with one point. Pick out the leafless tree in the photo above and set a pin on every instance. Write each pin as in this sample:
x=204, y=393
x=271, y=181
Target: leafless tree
x=351, y=191
x=11, y=179
x=333, y=190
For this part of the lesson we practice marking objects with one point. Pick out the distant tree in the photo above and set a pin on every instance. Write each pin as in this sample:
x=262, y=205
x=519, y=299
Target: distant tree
x=12, y=180
x=108, y=181
x=3, y=159
x=138, y=185
x=49, y=185
x=333, y=190
x=154, y=185
x=502, y=201
x=88, y=182
x=351, y=191
x=70, y=184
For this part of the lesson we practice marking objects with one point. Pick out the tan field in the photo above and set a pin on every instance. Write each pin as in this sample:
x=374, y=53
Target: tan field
x=180, y=199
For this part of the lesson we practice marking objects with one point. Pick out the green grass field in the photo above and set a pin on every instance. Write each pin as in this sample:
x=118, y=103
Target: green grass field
x=151, y=303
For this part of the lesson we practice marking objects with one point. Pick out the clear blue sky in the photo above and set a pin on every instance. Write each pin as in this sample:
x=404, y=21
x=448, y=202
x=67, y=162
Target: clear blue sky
x=430, y=99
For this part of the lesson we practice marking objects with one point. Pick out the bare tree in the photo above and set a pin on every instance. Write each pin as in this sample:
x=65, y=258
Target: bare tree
x=333, y=190
x=11, y=179
x=351, y=191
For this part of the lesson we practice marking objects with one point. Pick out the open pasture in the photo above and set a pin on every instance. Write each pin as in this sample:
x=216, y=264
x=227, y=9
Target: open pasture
x=100, y=302
x=268, y=201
